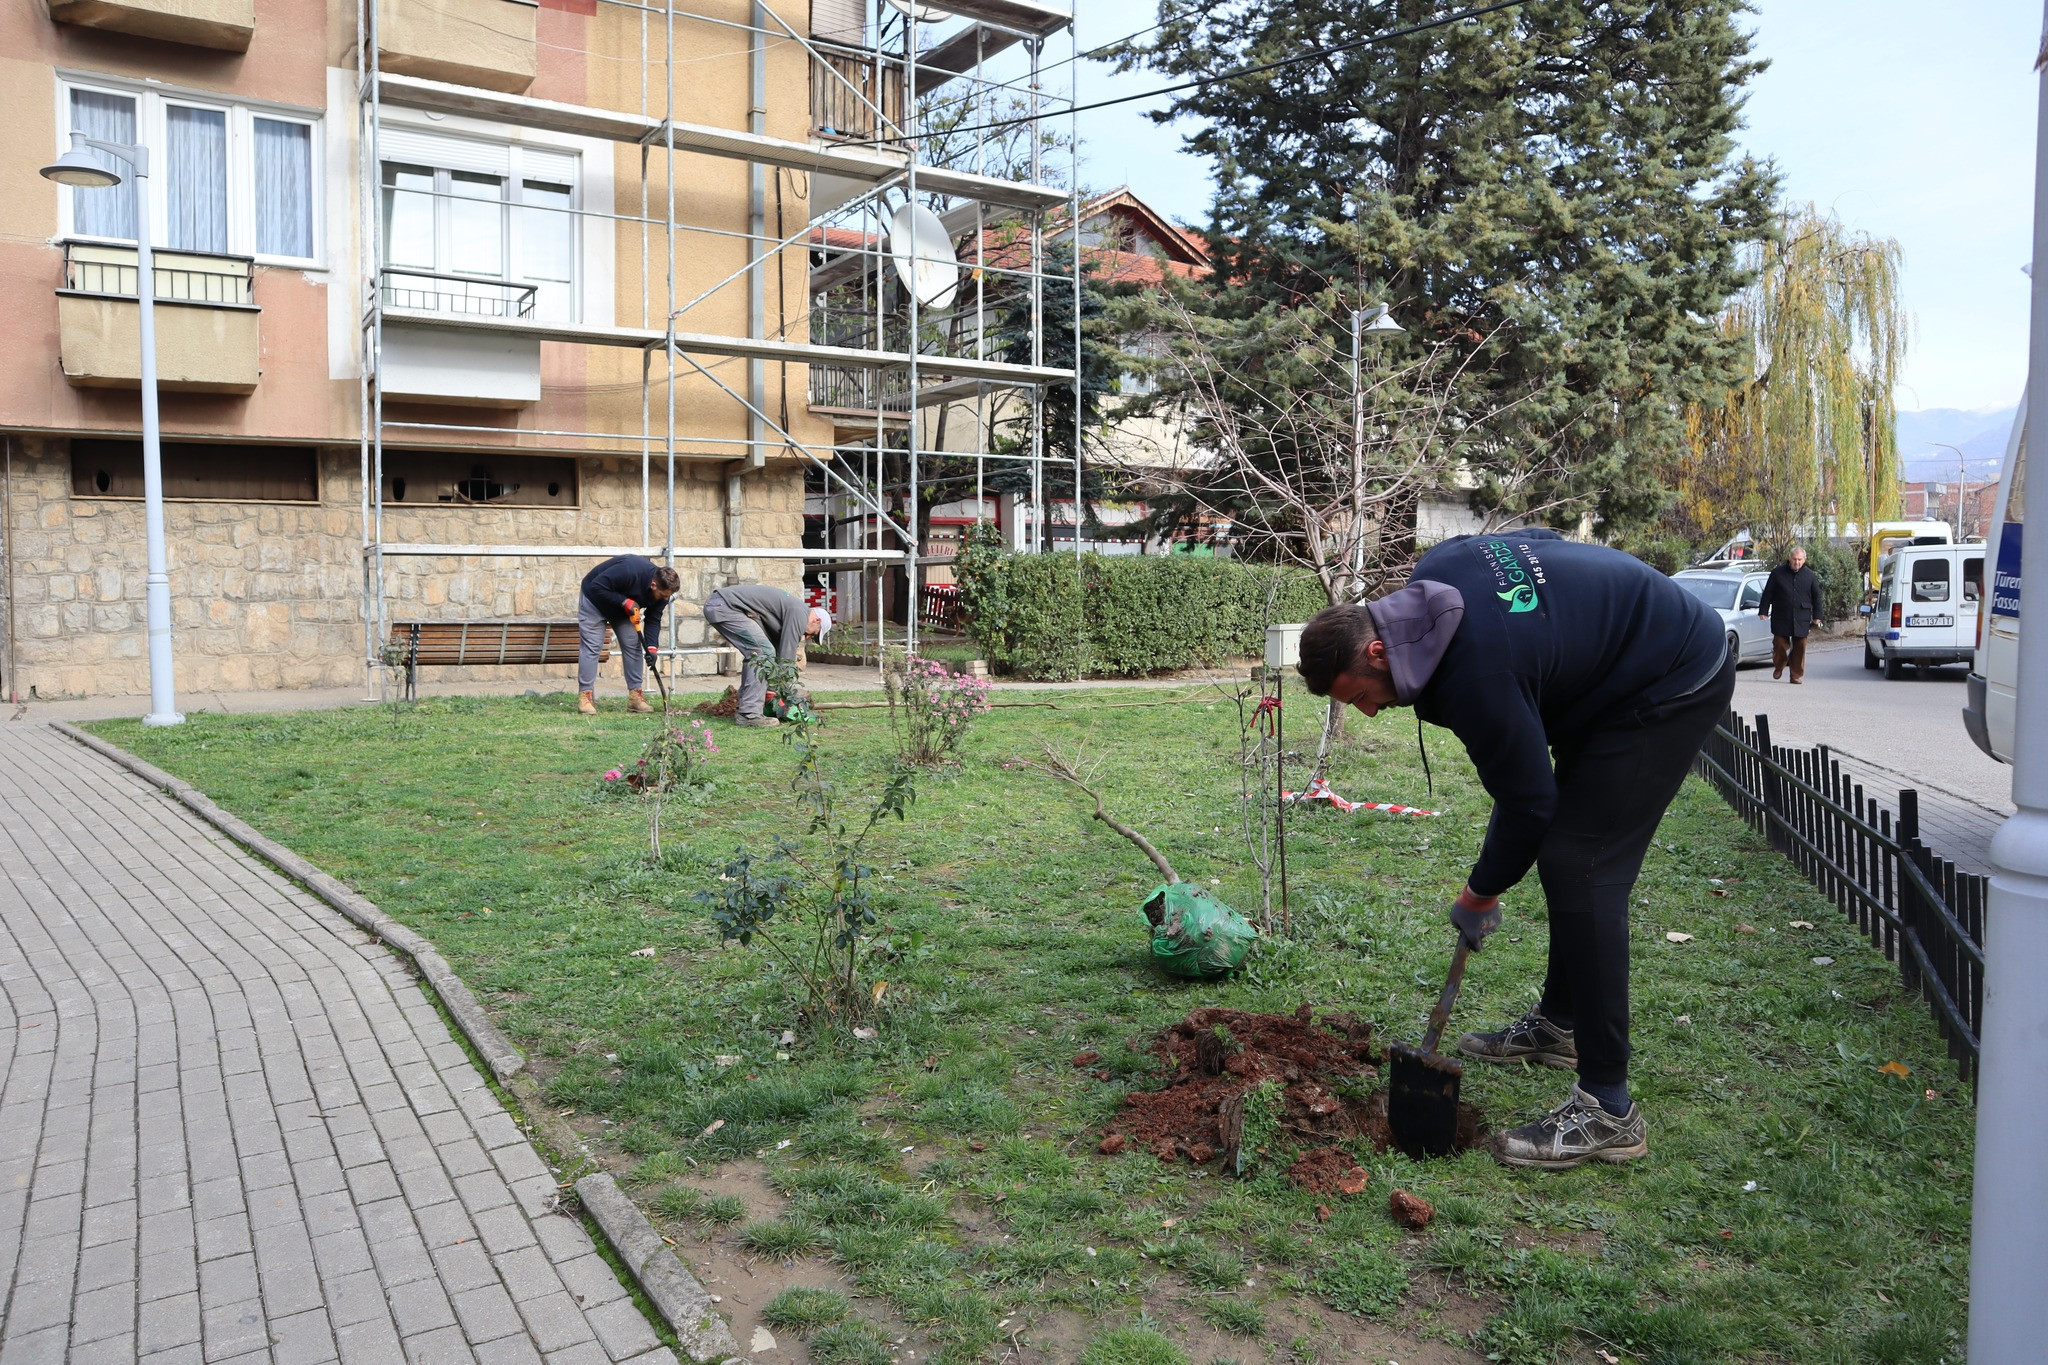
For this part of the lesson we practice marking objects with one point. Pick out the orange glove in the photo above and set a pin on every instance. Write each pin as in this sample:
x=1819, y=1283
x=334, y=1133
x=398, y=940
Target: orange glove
x=632, y=612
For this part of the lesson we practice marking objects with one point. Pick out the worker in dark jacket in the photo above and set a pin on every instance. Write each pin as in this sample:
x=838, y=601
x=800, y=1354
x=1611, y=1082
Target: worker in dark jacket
x=759, y=622
x=1582, y=683
x=1792, y=600
x=625, y=595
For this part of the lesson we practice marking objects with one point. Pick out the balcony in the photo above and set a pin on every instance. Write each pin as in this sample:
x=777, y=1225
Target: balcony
x=844, y=98
x=486, y=43
x=449, y=364
x=225, y=24
x=207, y=337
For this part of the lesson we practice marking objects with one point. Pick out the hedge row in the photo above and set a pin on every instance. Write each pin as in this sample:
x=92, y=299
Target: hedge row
x=1047, y=616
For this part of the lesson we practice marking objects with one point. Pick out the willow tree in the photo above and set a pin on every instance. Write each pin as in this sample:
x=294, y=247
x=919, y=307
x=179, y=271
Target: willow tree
x=1808, y=437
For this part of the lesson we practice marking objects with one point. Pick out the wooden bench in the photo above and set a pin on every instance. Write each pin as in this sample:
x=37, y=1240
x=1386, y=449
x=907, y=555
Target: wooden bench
x=414, y=644
x=449, y=644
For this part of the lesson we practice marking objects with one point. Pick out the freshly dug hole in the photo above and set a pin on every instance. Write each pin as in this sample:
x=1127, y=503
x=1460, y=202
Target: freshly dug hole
x=1322, y=1066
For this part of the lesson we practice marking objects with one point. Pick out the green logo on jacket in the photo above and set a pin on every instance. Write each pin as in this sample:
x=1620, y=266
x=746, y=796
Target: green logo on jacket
x=1521, y=598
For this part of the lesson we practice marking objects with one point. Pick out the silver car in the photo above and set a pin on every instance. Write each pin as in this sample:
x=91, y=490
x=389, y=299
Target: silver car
x=1734, y=592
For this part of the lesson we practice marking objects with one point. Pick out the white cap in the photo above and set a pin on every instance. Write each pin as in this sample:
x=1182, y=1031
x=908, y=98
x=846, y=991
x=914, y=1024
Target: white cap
x=823, y=620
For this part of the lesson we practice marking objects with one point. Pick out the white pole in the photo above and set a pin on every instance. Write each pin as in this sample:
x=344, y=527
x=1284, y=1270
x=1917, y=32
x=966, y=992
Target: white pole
x=2009, y=1222
x=163, y=700
x=1357, y=455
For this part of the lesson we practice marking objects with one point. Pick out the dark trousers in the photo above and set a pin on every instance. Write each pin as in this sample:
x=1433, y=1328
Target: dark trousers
x=1612, y=791
x=1788, y=649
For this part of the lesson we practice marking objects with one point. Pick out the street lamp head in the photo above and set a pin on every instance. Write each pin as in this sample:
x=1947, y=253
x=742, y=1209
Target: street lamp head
x=77, y=167
x=1383, y=321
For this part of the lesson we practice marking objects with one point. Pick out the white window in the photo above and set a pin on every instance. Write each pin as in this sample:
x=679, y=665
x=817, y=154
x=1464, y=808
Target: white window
x=478, y=227
x=224, y=178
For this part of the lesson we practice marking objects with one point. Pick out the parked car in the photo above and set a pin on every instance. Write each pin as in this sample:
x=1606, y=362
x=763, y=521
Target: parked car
x=1994, y=674
x=1926, y=609
x=1734, y=592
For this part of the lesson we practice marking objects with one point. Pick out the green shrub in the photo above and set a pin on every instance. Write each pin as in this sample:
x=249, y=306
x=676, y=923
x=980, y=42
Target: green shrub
x=1664, y=553
x=1841, y=580
x=1053, y=617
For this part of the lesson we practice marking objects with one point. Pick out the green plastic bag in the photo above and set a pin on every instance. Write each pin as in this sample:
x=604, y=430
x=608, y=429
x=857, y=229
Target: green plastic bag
x=1194, y=934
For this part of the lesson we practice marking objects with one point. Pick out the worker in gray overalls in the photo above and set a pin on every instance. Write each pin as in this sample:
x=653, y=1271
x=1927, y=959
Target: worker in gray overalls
x=759, y=622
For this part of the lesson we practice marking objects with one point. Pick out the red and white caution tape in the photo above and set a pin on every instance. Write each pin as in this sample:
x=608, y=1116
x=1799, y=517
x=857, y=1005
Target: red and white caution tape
x=1319, y=790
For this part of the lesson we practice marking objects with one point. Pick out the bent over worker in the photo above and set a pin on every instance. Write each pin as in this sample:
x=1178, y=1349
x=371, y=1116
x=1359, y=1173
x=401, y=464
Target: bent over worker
x=625, y=595
x=1582, y=683
x=761, y=622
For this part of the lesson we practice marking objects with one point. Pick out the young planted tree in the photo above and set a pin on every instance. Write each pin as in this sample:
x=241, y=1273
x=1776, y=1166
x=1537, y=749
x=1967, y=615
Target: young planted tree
x=1808, y=434
x=1552, y=192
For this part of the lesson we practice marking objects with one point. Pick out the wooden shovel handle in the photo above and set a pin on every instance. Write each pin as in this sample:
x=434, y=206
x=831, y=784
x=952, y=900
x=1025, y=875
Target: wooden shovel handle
x=1441, y=1015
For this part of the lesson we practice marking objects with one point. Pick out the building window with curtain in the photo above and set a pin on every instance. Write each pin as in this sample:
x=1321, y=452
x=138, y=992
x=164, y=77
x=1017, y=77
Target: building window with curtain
x=483, y=228
x=225, y=179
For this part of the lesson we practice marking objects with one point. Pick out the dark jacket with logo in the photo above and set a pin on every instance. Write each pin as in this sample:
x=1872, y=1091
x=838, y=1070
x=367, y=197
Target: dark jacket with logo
x=1523, y=644
x=1792, y=600
x=618, y=578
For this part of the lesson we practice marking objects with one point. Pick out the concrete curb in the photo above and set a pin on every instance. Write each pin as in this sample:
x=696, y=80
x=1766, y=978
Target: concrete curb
x=668, y=1285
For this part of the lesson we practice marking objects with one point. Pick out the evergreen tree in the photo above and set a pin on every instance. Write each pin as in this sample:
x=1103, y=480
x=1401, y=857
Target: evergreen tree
x=1552, y=191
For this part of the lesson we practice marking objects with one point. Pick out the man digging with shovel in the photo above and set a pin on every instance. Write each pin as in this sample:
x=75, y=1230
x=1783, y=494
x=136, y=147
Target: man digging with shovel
x=1582, y=683
x=761, y=623
x=625, y=595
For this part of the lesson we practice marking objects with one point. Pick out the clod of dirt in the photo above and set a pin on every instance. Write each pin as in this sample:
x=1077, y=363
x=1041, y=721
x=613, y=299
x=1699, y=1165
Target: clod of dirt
x=1086, y=1059
x=1411, y=1211
x=1323, y=1214
x=1471, y=1131
x=1327, y=1170
x=1112, y=1144
x=727, y=705
x=1219, y=1055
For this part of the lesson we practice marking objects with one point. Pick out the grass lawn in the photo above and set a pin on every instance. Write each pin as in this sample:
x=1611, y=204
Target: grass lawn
x=936, y=1189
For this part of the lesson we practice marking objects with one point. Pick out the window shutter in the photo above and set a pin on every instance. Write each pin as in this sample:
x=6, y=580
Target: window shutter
x=419, y=148
x=841, y=21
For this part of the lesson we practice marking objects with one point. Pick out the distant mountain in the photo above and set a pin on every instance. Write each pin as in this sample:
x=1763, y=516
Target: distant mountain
x=1924, y=438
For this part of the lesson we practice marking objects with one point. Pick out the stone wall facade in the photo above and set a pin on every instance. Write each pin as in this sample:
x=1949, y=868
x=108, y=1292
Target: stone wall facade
x=270, y=594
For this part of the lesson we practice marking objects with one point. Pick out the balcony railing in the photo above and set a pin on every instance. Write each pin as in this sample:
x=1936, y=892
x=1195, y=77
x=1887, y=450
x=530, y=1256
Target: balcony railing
x=844, y=95
x=427, y=292
x=178, y=276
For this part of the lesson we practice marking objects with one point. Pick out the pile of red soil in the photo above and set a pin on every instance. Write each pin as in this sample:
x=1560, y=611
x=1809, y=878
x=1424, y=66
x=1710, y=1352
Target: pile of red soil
x=727, y=705
x=1327, y=1170
x=1219, y=1055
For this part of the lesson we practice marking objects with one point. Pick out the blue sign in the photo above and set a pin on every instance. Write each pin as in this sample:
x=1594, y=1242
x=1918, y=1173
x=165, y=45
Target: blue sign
x=2005, y=586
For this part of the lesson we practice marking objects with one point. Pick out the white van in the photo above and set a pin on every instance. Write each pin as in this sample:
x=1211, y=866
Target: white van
x=1994, y=677
x=1926, y=609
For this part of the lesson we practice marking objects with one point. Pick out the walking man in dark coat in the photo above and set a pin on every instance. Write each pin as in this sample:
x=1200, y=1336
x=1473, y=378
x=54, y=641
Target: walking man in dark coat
x=1582, y=683
x=1792, y=600
x=761, y=622
x=625, y=595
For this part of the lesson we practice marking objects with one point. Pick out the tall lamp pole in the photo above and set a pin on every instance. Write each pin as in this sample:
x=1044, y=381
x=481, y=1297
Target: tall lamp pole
x=2009, y=1213
x=1375, y=321
x=78, y=168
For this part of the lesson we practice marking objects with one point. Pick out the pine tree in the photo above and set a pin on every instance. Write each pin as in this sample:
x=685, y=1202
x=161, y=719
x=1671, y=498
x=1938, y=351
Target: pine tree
x=1551, y=190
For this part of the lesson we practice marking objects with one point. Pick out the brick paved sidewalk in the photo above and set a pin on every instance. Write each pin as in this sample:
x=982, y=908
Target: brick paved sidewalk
x=232, y=1127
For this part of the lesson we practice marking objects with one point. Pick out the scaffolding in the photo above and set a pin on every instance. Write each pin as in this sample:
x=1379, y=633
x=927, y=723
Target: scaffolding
x=883, y=85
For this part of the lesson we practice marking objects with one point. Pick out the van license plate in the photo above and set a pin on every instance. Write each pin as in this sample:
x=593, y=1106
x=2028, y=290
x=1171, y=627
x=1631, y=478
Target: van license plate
x=1930, y=620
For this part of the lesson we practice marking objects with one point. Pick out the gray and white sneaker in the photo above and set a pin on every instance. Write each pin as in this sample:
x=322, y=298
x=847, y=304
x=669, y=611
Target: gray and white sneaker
x=1572, y=1134
x=1531, y=1038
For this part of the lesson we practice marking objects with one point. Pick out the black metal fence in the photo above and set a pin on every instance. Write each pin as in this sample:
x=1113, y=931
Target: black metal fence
x=1919, y=909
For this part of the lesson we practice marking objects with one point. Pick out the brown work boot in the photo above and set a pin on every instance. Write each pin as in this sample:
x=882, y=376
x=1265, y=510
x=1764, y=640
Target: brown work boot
x=586, y=703
x=636, y=702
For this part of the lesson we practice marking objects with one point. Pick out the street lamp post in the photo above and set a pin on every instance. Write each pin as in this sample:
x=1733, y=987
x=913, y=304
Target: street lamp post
x=76, y=168
x=2009, y=1207
x=1375, y=321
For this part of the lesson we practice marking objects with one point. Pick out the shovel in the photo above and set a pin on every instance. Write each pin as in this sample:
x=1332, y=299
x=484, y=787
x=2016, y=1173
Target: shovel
x=660, y=683
x=1422, y=1094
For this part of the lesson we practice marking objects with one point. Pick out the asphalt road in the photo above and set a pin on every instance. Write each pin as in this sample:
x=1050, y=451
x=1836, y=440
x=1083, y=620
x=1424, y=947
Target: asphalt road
x=1891, y=735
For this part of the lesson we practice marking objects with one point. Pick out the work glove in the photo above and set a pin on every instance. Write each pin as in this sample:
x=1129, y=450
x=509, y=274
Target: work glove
x=632, y=612
x=653, y=653
x=1475, y=917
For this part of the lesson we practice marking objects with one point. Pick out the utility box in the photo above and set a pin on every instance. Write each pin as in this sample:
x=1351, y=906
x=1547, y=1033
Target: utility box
x=1283, y=646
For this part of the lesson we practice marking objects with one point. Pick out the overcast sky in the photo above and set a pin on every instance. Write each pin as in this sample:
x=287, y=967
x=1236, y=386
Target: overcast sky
x=1909, y=119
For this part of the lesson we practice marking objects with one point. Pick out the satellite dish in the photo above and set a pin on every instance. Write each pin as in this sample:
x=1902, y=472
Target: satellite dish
x=924, y=14
x=924, y=256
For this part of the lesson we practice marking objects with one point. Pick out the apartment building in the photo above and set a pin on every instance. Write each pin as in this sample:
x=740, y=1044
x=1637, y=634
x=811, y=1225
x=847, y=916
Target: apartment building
x=452, y=298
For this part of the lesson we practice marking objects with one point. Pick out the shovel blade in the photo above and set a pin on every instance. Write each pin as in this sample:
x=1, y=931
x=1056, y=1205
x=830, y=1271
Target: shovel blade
x=1422, y=1101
